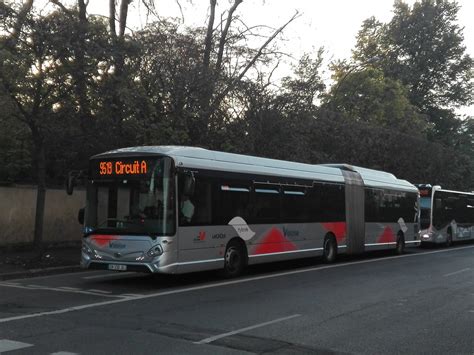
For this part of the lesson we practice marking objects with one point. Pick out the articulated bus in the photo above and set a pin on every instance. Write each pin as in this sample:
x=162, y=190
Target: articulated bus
x=170, y=209
x=445, y=216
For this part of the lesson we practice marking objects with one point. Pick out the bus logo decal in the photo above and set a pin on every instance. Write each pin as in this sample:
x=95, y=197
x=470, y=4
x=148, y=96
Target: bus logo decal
x=242, y=228
x=402, y=225
x=201, y=237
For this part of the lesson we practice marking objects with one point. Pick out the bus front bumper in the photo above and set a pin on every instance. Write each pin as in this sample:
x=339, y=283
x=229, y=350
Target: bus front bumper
x=156, y=266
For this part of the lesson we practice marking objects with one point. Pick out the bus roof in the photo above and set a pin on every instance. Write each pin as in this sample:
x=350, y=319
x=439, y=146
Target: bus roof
x=200, y=158
x=467, y=193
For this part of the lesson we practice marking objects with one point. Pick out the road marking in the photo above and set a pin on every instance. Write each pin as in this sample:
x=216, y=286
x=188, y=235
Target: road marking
x=457, y=272
x=109, y=275
x=216, y=337
x=131, y=295
x=70, y=288
x=57, y=275
x=44, y=288
x=98, y=291
x=10, y=345
x=218, y=284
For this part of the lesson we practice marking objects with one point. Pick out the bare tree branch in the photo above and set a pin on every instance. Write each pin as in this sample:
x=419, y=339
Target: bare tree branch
x=208, y=40
x=20, y=21
x=231, y=86
x=123, y=17
x=62, y=7
x=113, y=33
x=223, y=38
x=180, y=10
x=269, y=78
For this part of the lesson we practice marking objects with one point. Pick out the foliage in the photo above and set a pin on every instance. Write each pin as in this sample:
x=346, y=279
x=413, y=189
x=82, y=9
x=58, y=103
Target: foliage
x=371, y=97
x=74, y=87
x=422, y=47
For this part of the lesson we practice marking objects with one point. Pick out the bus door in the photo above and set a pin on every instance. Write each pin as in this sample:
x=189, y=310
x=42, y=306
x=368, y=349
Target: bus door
x=355, y=218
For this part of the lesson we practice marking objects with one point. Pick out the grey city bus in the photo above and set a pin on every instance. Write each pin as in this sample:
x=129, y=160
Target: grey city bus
x=172, y=209
x=446, y=216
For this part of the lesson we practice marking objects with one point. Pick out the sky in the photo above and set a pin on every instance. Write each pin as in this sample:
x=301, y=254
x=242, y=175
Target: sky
x=332, y=24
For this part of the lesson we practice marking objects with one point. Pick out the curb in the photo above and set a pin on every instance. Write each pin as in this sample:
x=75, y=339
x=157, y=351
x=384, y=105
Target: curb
x=40, y=272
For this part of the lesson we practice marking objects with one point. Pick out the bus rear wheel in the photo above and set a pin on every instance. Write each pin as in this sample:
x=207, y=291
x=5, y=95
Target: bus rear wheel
x=234, y=260
x=329, y=249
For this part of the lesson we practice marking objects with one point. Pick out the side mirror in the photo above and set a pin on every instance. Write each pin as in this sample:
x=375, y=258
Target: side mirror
x=438, y=203
x=189, y=184
x=80, y=215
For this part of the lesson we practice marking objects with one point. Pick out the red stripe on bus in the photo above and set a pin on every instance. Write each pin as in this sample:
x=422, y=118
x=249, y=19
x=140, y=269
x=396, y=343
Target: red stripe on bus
x=103, y=239
x=387, y=236
x=274, y=242
x=338, y=229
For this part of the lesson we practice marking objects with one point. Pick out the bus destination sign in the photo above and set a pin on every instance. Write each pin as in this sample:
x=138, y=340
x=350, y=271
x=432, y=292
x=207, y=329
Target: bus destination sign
x=122, y=168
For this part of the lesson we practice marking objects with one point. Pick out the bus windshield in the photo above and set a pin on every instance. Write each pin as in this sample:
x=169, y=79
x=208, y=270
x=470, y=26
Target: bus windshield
x=425, y=212
x=130, y=196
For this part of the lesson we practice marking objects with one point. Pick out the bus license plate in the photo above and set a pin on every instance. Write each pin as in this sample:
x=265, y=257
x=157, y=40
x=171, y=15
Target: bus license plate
x=117, y=267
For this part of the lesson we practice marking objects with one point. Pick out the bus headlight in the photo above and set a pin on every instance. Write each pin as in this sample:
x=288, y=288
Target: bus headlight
x=425, y=236
x=155, y=251
x=86, y=249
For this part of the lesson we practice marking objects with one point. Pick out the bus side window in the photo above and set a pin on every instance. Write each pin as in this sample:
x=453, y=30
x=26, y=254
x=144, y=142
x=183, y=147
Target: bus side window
x=197, y=209
x=266, y=204
x=294, y=207
x=234, y=201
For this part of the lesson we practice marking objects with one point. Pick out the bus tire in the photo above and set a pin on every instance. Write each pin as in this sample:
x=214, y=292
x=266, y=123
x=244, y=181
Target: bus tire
x=449, y=238
x=235, y=259
x=400, y=248
x=329, y=249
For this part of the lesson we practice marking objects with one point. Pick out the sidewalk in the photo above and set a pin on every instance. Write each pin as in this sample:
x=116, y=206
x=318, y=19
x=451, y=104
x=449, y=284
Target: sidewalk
x=25, y=262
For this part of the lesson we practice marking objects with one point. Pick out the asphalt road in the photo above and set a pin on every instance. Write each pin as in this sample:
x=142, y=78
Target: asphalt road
x=420, y=302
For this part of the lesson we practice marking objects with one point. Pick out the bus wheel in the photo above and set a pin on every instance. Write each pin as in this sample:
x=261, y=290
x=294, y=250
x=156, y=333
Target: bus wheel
x=329, y=249
x=234, y=260
x=449, y=239
x=400, y=249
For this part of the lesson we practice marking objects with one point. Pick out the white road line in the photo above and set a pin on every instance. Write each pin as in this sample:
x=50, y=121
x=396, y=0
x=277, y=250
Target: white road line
x=131, y=295
x=70, y=288
x=98, y=291
x=109, y=275
x=44, y=288
x=59, y=275
x=220, y=284
x=10, y=283
x=10, y=345
x=457, y=272
x=216, y=337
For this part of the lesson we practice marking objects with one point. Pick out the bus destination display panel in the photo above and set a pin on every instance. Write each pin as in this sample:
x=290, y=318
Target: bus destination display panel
x=121, y=168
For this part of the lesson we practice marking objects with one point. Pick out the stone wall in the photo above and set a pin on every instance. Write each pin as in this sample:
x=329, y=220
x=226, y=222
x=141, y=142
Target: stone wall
x=17, y=215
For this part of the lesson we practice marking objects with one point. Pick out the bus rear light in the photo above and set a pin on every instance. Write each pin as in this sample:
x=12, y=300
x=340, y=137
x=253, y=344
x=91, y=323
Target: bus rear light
x=155, y=251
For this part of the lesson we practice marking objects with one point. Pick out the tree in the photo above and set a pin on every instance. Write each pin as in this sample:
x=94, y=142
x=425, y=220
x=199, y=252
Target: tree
x=226, y=63
x=422, y=47
x=38, y=80
x=368, y=96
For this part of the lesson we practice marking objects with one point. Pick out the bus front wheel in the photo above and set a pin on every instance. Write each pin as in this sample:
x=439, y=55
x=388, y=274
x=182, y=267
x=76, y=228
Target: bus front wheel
x=400, y=248
x=234, y=260
x=449, y=238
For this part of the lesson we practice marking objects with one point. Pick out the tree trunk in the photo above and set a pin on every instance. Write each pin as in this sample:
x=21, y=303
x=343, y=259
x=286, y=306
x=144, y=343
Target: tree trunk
x=41, y=194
